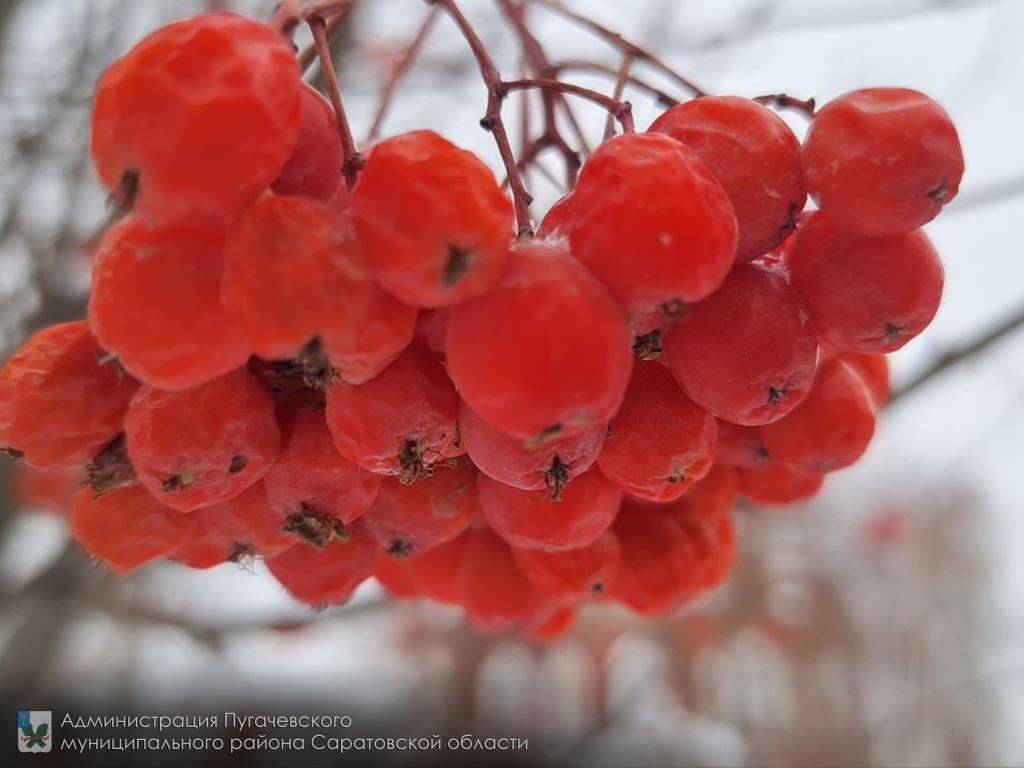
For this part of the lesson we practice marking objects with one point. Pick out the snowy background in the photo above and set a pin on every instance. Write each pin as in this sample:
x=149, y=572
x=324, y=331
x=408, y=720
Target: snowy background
x=880, y=624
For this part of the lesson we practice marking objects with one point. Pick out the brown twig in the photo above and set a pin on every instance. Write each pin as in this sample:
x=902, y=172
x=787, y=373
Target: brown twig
x=290, y=13
x=308, y=56
x=663, y=98
x=620, y=87
x=785, y=101
x=620, y=110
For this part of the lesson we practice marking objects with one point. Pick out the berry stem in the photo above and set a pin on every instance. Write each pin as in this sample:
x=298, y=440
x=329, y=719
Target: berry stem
x=308, y=56
x=663, y=98
x=290, y=13
x=620, y=110
x=785, y=101
x=620, y=87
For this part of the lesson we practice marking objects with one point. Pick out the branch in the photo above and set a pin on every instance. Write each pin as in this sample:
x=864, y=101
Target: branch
x=620, y=87
x=659, y=95
x=620, y=110
x=785, y=101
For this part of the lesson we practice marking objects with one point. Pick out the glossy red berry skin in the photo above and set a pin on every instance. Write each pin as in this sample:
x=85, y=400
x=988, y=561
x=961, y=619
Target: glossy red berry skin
x=60, y=403
x=533, y=520
x=495, y=594
x=126, y=528
x=748, y=352
x=359, y=353
x=866, y=294
x=314, y=168
x=442, y=235
x=329, y=575
x=400, y=423
x=155, y=303
x=651, y=223
x=831, y=429
x=557, y=220
x=660, y=442
x=511, y=461
x=294, y=269
x=776, y=484
x=882, y=161
x=739, y=446
x=204, y=445
x=410, y=519
x=572, y=574
x=561, y=366
x=205, y=111
x=755, y=157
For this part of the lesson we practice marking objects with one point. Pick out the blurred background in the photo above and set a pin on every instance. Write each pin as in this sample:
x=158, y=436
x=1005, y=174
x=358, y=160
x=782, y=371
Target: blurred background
x=880, y=624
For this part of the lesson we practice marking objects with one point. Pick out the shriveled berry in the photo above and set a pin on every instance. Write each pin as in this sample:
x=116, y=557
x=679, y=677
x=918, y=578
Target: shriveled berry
x=882, y=161
x=533, y=520
x=511, y=461
x=314, y=168
x=432, y=219
x=747, y=353
x=203, y=445
x=545, y=353
x=199, y=117
x=777, y=484
x=652, y=223
x=155, y=303
x=739, y=446
x=572, y=574
x=495, y=594
x=556, y=222
x=63, y=398
x=866, y=294
x=402, y=422
x=411, y=519
x=755, y=157
x=294, y=269
x=660, y=442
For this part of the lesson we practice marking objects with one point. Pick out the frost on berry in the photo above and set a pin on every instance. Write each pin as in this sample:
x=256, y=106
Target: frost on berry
x=433, y=221
x=204, y=445
x=62, y=399
x=202, y=114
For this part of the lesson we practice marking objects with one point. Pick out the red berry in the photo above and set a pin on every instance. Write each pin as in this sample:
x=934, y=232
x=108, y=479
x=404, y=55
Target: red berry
x=214, y=538
x=437, y=571
x=652, y=223
x=755, y=157
x=882, y=161
x=397, y=577
x=432, y=328
x=659, y=443
x=777, y=484
x=873, y=369
x=866, y=294
x=831, y=429
x=550, y=622
x=556, y=223
x=739, y=446
x=200, y=117
x=328, y=575
x=433, y=220
x=710, y=498
x=126, y=528
x=314, y=168
x=252, y=512
x=361, y=352
x=572, y=574
x=61, y=400
x=203, y=445
x=495, y=594
x=711, y=551
x=533, y=520
x=49, y=490
x=511, y=461
x=402, y=422
x=155, y=303
x=294, y=269
x=546, y=352
x=411, y=519
x=748, y=352
x=311, y=489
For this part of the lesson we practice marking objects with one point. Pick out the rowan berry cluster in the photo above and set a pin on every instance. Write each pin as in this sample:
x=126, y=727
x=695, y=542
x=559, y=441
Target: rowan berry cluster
x=385, y=382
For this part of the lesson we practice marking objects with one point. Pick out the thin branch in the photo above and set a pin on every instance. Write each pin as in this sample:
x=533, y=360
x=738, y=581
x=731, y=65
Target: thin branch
x=620, y=110
x=290, y=13
x=784, y=101
x=663, y=98
x=308, y=56
x=620, y=87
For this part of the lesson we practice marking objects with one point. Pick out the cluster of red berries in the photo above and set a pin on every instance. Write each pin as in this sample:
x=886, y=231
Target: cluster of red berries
x=383, y=383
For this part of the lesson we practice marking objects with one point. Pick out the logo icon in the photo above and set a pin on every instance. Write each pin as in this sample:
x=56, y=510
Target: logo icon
x=34, y=730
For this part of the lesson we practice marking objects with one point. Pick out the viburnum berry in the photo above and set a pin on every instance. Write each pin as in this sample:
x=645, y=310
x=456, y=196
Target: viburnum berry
x=203, y=445
x=62, y=399
x=329, y=575
x=252, y=513
x=432, y=219
x=557, y=220
x=359, y=353
x=755, y=157
x=495, y=594
x=748, y=352
x=830, y=429
x=545, y=353
x=873, y=369
x=550, y=622
x=739, y=446
x=314, y=168
x=213, y=538
x=437, y=571
x=313, y=492
x=572, y=574
x=402, y=422
x=48, y=490
x=397, y=577
x=126, y=528
x=777, y=484
x=866, y=294
x=155, y=303
x=294, y=269
x=652, y=224
x=711, y=497
x=409, y=519
x=882, y=161
x=432, y=329
x=511, y=461
x=198, y=118
x=533, y=520
x=711, y=551
x=660, y=442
